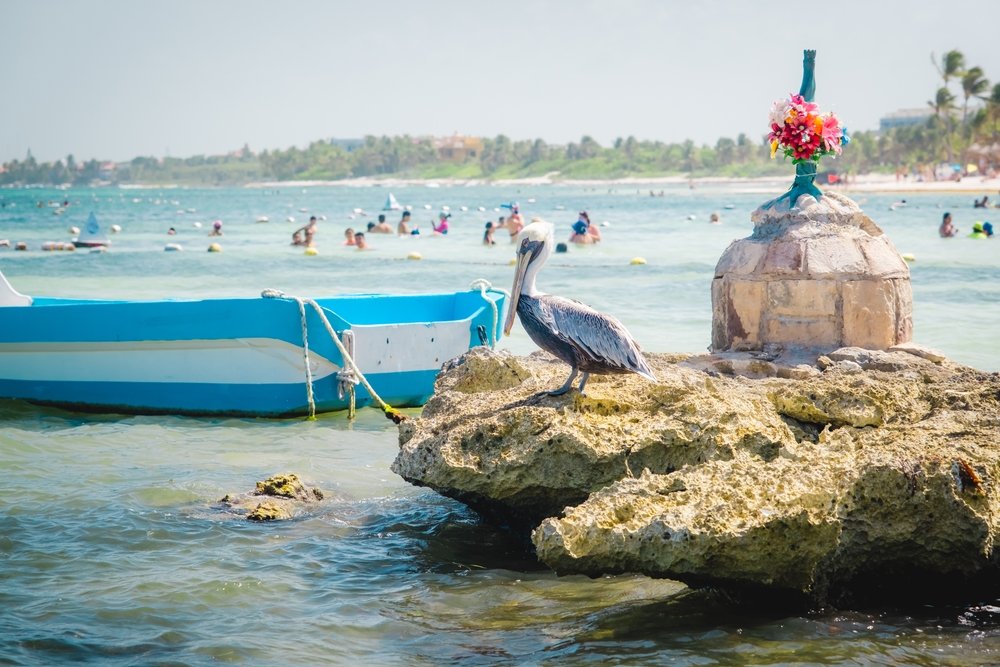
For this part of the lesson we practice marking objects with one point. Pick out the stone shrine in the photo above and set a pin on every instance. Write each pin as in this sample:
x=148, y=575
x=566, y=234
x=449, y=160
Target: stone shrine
x=816, y=273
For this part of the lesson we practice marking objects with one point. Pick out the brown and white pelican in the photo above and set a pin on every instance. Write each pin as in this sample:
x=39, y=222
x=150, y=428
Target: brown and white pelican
x=585, y=339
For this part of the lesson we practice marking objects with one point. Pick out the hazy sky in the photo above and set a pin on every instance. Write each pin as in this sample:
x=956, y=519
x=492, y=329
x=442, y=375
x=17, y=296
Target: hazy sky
x=114, y=79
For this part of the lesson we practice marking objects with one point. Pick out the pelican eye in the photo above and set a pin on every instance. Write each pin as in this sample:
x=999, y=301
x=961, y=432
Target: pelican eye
x=529, y=246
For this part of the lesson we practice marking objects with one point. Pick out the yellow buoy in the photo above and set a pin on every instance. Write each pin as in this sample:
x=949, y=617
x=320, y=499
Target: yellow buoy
x=512, y=262
x=414, y=255
x=311, y=251
x=909, y=257
x=215, y=247
x=637, y=260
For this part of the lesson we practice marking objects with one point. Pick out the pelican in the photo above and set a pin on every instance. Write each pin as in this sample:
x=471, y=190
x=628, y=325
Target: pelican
x=587, y=340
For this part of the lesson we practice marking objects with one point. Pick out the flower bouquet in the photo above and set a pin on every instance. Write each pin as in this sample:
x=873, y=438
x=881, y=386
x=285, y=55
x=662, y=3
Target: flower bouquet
x=802, y=133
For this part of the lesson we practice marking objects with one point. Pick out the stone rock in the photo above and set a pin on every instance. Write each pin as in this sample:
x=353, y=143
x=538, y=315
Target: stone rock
x=822, y=484
x=519, y=458
x=287, y=485
x=269, y=511
x=848, y=366
x=872, y=359
x=284, y=494
x=819, y=275
x=921, y=351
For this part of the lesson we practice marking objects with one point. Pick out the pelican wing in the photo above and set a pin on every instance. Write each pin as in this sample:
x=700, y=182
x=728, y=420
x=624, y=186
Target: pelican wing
x=599, y=336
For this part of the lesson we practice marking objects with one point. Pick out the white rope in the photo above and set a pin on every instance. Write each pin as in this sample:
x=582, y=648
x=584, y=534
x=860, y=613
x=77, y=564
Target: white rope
x=482, y=285
x=351, y=374
x=349, y=363
x=305, y=359
x=346, y=379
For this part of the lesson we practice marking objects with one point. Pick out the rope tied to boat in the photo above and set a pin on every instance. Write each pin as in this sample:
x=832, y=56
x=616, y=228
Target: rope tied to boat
x=349, y=376
x=346, y=379
x=483, y=285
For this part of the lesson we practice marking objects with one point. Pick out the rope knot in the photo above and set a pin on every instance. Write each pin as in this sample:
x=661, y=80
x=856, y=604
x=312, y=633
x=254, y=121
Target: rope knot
x=481, y=284
x=346, y=381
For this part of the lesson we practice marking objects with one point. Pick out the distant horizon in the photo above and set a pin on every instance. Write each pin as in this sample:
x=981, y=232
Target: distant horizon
x=334, y=139
x=113, y=81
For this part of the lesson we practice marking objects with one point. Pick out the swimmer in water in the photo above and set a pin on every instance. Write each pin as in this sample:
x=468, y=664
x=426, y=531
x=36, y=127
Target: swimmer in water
x=515, y=223
x=442, y=226
x=582, y=234
x=947, y=229
x=382, y=227
x=307, y=231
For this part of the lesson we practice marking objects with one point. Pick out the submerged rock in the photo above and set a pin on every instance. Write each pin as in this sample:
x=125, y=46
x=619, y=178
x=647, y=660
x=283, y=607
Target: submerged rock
x=284, y=494
x=269, y=511
x=821, y=482
x=287, y=485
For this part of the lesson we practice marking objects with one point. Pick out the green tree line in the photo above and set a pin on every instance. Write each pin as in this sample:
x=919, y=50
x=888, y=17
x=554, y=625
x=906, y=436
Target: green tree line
x=964, y=118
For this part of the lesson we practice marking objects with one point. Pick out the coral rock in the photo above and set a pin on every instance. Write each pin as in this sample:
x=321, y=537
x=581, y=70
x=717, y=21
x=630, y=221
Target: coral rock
x=818, y=483
x=285, y=496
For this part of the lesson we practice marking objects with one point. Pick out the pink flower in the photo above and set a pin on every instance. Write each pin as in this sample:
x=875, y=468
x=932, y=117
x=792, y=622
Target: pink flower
x=776, y=131
x=799, y=104
x=799, y=130
x=832, y=133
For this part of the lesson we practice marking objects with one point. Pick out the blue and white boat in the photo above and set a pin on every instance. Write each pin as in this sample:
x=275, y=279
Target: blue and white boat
x=236, y=356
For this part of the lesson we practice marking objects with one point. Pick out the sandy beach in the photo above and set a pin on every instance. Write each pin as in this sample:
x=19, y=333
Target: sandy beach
x=885, y=183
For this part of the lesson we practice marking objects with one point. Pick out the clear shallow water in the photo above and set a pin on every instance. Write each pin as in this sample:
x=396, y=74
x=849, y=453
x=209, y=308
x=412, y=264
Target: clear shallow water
x=111, y=550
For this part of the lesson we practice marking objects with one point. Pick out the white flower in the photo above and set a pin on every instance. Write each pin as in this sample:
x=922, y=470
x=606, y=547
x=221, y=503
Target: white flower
x=779, y=111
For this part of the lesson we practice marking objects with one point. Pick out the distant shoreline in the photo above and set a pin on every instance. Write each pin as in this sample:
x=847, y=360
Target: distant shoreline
x=866, y=183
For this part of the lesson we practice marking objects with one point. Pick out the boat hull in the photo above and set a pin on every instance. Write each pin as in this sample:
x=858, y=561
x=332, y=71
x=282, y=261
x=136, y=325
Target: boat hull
x=407, y=389
x=233, y=356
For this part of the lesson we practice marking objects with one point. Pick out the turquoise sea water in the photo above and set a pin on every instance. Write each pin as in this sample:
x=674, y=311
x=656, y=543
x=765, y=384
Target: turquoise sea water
x=112, y=552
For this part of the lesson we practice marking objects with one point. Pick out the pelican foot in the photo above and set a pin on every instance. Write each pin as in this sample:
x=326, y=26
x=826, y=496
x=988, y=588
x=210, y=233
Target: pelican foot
x=568, y=384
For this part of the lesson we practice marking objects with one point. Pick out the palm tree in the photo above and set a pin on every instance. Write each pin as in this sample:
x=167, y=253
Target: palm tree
x=943, y=104
x=951, y=65
x=993, y=108
x=974, y=84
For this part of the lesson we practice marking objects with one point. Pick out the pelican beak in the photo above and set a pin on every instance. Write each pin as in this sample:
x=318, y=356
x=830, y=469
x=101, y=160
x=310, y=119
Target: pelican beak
x=523, y=260
x=526, y=254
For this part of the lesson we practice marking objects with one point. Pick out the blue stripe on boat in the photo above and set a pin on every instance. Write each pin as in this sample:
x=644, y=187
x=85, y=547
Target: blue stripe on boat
x=403, y=389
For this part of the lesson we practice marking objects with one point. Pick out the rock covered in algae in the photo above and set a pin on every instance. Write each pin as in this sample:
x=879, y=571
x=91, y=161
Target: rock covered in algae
x=284, y=496
x=269, y=511
x=287, y=485
x=817, y=483
x=502, y=450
